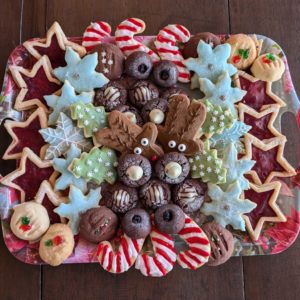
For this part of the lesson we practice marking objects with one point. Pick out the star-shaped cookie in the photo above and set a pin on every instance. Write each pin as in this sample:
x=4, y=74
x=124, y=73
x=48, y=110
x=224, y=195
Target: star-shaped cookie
x=26, y=134
x=236, y=168
x=221, y=93
x=210, y=63
x=262, y=122
x=226, y=206
x=259, y=93
x=64, y=100
x=34, y=84
x=81, y=72
x=267, y=210
x=269, y=157
x=78, y=204
x=67, y=178
x=28, y=177
x=54, y=46
x=50, y=199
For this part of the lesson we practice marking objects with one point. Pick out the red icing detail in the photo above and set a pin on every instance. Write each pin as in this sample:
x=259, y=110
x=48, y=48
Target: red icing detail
x=259, y=126
x=266, y=60
x=110, y=259
x=130, y=48
x=162, y=242
x=190, y=266
x=199, y=251
x=118, y=262
x=54, y=218
x=25, y=227
x=136, y=22
x=164, y=255
x=39, y=86
x=236, y=59
x=57, y=240
x=125, y=250
x=54, y=52
x=159, y=266
x=265, y=162
x=190, y=255
x=99, y=249
x=103, y=255
x=32, y=179
x=28, y=137
x=197, y=240
x=145, y=258
x=136, y=245
x=190, y=230
x=262, y=209
x=256, y=95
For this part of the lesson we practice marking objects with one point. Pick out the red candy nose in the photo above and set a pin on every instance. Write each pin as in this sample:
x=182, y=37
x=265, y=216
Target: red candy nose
x=153, y=158
x=57, y=240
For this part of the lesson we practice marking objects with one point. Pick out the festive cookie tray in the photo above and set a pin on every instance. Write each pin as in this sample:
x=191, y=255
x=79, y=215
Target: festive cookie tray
x=271, y=234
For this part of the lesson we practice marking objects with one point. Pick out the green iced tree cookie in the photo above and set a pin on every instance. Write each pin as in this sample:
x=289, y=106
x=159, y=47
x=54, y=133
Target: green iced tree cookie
x=97, y=166
x=89, y=117
x=208, y=166
x=217, y=119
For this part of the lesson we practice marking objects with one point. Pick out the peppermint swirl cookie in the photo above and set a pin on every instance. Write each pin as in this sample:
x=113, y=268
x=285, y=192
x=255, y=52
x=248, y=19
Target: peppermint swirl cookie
x=155, y=193
x=141, y=92
x=119, y=197
x=189, y=195
x=111, y=96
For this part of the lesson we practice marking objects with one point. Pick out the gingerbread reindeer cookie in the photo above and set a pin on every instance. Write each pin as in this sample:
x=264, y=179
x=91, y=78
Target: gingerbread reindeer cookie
x=183, y=121
x=125, y=136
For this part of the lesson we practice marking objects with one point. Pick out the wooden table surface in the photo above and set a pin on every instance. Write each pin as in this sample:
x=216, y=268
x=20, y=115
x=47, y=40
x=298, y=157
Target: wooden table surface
x=266, y=277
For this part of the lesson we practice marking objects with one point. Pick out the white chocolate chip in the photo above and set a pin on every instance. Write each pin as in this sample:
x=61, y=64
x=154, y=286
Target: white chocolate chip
x=156, y=116
x=173, y=169
x=131, y=116
x=135, y=173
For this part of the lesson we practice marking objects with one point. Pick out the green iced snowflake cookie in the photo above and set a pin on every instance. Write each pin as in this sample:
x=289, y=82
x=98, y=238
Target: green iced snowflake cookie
x=208, y=166
x=217, y=119
x=89, y=117
x=97, y=166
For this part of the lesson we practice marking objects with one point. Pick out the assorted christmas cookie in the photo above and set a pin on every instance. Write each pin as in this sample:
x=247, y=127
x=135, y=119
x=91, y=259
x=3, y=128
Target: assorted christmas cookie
x=116, y=153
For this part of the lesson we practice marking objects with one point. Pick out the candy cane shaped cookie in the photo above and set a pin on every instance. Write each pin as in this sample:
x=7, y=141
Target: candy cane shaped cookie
x=199, y=246
x=164, y=257
x=94, y=34
x=167, y=49
x=120, y=260
x=124, y=37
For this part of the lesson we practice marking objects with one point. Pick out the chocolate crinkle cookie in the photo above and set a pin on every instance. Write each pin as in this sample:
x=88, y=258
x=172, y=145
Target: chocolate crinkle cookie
x=189, y=195
x=141, y=92
x=155, y=111
x=112, y=95
x=221, y=243
x=155, y=193
x=169, y=92
x=134, y=170
x=172, y=168
x=131, y=113
x=110, y=60
x=119, y=197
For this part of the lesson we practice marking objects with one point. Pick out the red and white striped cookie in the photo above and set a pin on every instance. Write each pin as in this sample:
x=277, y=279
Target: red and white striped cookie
x=123, y=258
x=164, y=257
x=167, y=48
x=199, y=246
x=94, y=34
x=124, y=37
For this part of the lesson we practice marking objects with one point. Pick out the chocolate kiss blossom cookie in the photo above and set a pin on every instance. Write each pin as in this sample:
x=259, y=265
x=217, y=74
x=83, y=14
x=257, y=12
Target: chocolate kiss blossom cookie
x=141, y=92
x=111, y=96
x=110, y=60
x=172, y=91
x=98, y=224
x=154, y=111
x=134, y=170
x=131, y=113
x=119, y=197
x=155, y=193
x=189, y=195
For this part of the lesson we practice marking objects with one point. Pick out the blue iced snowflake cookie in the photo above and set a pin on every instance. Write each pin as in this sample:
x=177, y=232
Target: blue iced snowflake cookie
x=210, y=63
x=80, y=72
x=78, y=204
x=226, y=206
x=62, y=102
x=67, y=178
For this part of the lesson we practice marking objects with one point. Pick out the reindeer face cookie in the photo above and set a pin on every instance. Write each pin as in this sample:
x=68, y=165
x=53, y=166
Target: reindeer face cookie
x=125, y=136
x=183, y=122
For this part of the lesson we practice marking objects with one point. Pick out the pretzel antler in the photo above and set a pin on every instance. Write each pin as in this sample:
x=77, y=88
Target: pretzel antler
x=125, y=136
x=182, y=125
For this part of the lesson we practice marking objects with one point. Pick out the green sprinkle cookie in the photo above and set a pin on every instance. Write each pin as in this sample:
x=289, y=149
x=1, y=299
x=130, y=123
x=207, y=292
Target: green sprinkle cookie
x=97, y=166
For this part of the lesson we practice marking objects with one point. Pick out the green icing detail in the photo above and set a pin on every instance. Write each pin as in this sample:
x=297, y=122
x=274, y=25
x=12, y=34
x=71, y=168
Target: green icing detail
x=97, y=166
x=25, y=220
x=270, y=56
x=244, y=53
x=217, y=119
x=2, y=98
x=208, y=166
x=89, y=117
x=48, y=243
